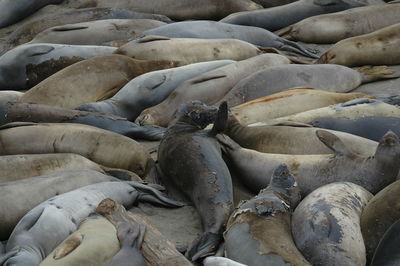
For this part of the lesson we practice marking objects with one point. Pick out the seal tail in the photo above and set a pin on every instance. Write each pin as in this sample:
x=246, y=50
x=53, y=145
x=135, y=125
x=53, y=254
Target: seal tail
x=150, y=194
x=373, y=73
x=295, y=48
x=207, y=245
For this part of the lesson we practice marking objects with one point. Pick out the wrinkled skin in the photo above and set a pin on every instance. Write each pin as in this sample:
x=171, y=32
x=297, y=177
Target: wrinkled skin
x=191, y=157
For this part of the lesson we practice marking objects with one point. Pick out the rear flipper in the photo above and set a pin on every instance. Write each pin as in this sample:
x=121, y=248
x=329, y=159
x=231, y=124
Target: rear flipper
x=373, y=73
x=146, y=133
x=152, y=195
x=294, y=47
x=207, y=245
x=130, y=237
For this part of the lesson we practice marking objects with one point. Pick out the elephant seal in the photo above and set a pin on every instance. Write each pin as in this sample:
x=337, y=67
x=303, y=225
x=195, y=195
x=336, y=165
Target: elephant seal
x=149, y=89
x=313, y=171
x=101, y=146
x=94, y=243
x=352, y=109
x=14, y=11
x=90, y=80
x=263, y=223
x=292, y=139
x=39, y=113
x=10, y=96
x=370, y=127
x=381, y=212
x=387, y=252
x=184, y=9
x=28, y=31
x=208, y=87
x=220, y=261
x=62, y=214
x=21, y=196
x=324, y=77
x=219, y=30
x=130, y=237
x=288, y=102
x=25, y=66
x=272, y=3
x=331, y=28
x=191, y=158
x=96, y=32
x=380, y=46
x=279, y=17
x=22, y=166
x=326, y=225
x=188, y=50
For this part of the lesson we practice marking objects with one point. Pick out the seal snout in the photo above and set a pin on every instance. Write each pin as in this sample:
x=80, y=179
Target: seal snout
x=390, y=139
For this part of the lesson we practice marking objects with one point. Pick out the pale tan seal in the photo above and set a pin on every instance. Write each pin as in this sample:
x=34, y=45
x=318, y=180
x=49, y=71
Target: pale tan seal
x=188, y=50
x=90, y=80
x=288, y=102
x=377, y=48
x=102, y=146
x=331, y=28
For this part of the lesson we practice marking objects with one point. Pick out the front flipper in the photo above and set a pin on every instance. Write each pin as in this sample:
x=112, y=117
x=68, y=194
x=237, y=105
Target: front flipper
x=69, y=245
x=207, y=245
x=221, y=120
x=146, y=132
x=333, y=143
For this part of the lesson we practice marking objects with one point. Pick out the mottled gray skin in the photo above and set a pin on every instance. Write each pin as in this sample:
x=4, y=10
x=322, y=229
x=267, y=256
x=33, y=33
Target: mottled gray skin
x=191, y=158
x=279, y=17
x=28, y=31
x=44, y=227
x=370, y=127
x=219, y=30
x=388, y=251
x=25, y=66
x=263, y=224
x=12, y=11
x=312, y=171
x=130, y=237
x=149, y=89
x=97, y=32
x=39, y=113
x=19, y=197
x=326, y=225
x=333, y=78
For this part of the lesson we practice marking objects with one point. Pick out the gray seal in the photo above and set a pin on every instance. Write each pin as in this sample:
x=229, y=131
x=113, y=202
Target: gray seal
x=326, y=225
x=149, y=89
x=44, y=227
x=27, y=65
x=279, y=17
x=191, y=158
x=12, y=11
x=219, y=30
x=387, y=252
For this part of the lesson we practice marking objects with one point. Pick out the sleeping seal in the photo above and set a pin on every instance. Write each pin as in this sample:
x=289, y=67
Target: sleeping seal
x=191, y=158
x=219, y=30
x=278, y=17
x=326, y=225
x=263, y=224
x=19, y=197
x=149, y=89
x=25, y=66
x=48, y=224
x=312, y=171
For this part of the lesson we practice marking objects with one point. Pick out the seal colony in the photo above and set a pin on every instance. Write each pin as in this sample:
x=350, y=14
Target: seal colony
x=228, y=131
